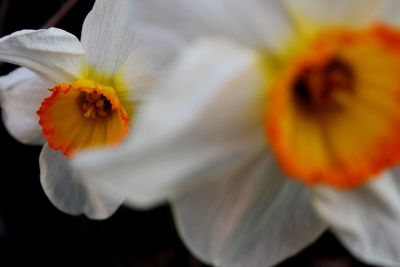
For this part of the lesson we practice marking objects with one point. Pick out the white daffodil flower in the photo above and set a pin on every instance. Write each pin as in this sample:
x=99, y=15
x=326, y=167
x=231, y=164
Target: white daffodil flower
x=76, y=95
x=263, y=139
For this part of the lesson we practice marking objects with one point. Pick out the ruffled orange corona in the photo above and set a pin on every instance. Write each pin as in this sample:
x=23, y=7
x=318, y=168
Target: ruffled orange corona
x=81, y=115
x=334, y=112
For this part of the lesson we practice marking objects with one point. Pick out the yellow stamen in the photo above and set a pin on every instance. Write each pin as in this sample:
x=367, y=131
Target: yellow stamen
x=95, y=104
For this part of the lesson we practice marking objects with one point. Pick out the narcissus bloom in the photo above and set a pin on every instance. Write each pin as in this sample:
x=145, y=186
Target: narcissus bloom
x=75, y=95
x=265, y=138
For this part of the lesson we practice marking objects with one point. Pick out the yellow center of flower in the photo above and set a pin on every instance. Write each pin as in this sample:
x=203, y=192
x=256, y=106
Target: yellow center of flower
x=82, y=115
x=333, y=113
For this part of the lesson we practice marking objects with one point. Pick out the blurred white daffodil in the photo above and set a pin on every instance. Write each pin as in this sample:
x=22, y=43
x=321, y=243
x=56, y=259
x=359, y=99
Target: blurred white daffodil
x=296, y=110
x=85, y=95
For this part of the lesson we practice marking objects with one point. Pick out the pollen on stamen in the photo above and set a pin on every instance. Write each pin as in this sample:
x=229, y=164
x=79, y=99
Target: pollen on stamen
x=95, y=105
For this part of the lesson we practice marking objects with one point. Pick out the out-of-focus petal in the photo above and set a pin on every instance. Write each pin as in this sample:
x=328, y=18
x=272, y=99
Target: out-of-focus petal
x=367, y=219
x=352, y=13
x=204, y=121
x=68, y=192
x=258, y=23
x=391, y=13
x=53, y=54
x=107, y=36
x=255, y=217
x=22, y=92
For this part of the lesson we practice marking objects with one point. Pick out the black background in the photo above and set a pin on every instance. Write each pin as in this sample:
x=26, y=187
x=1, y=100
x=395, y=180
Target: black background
x=34, y=233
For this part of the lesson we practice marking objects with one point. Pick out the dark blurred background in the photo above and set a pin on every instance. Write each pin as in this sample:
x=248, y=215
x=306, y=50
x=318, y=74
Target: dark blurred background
x=34, y=233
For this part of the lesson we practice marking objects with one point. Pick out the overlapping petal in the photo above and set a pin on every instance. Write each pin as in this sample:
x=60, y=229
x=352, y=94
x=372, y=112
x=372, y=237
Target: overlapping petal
x=367, y=219
x=21, y=95
x=258, y=23
x=202, y=132
x=173, y=155
x=68, y=192
x=185, y=136
x=53, y=54
x=253, y=217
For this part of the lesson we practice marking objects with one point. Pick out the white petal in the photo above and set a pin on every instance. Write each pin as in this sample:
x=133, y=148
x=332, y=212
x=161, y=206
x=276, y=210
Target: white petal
x=22, y=93
x=68, y=192
x=107, y=36
x=255, y=217
x=337, y=12
x=205, y=120
x=258, y=23
x=138, y=75
x=53, y=54
x=366, y=220
x=391, y=13
x=158, y=46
